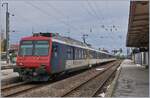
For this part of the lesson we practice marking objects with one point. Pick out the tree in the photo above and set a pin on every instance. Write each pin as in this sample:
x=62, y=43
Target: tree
x=3, y=45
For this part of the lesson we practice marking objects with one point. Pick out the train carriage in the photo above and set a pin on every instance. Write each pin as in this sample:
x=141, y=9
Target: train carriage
x=44, y=54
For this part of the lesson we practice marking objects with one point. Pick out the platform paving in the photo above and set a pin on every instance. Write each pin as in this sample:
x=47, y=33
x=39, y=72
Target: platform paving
x=7, y=73
x=133, y=81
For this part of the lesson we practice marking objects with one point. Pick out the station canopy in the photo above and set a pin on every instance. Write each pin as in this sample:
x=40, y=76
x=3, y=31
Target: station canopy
x=138, y=26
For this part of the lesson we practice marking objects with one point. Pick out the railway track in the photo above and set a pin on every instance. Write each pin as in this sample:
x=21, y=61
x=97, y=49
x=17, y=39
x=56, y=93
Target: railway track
x=72, y=86
x=7, y=67
x=13, y=89
x=69, y=86
x=17, y=88
x=91, y=87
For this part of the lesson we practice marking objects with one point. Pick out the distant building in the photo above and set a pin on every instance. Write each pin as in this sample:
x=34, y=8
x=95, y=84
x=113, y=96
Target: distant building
x=14, y=47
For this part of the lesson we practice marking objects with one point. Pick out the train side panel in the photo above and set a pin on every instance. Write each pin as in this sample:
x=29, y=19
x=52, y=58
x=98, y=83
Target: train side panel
x=66, y=57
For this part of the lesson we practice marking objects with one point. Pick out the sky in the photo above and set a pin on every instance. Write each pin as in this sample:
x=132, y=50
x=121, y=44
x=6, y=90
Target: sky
x=105, y=22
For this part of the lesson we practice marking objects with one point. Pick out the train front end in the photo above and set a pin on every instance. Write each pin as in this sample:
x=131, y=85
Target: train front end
x=33, y=60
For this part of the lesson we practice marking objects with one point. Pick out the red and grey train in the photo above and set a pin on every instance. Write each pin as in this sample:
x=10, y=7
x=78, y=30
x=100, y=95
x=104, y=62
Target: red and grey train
x=45, y=54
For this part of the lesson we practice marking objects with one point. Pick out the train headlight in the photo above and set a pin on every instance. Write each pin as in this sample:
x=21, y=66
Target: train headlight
x=20, y=63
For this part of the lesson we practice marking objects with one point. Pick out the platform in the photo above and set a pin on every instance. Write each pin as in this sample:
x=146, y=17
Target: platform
x=133, y=81
x=8, y=76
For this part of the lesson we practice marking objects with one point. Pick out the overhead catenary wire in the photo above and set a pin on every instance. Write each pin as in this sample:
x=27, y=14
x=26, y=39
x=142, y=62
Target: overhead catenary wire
x=55, y=9
x=48, y=14
x=93, y=10
x=93, y=13
x=60, y=13
x=26, y=20
x=112, y=28
x=89, y=12
x=96, y=7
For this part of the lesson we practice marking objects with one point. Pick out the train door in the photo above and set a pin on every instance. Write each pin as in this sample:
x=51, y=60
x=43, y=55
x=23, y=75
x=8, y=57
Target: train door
x=57, y=61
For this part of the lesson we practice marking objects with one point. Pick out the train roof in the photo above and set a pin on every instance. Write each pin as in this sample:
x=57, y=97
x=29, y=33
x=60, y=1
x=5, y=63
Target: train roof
x=76, y=43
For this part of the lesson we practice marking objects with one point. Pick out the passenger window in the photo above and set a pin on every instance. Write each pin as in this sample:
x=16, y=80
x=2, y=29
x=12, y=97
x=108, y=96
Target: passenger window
x=69, y=51
x=79, y=53
x=82, y=54
x=76, y=53
x=85, y=53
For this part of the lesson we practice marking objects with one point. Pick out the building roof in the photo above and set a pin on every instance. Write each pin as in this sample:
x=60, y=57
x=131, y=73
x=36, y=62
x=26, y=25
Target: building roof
x=138, y=26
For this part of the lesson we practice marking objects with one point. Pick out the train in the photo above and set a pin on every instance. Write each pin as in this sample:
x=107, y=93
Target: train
x=44, y=55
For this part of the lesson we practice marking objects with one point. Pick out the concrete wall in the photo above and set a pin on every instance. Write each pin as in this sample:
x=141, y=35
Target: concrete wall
x=141, y=58
x=145, y=58
x=138, y=58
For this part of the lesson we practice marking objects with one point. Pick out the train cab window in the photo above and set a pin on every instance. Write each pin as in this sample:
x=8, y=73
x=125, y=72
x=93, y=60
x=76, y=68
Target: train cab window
x=41, y=48
x=26, y=48
x=55, y=50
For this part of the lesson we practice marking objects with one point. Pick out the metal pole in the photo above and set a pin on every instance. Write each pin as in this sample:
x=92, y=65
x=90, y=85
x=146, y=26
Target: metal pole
x=68, y=27
x=7, y=32
x=84, y=37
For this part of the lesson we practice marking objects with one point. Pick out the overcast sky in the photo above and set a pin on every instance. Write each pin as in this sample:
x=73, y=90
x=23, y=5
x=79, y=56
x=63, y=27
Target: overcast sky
x=105, y=22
